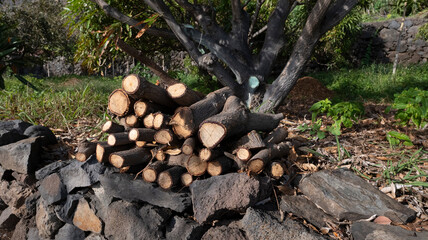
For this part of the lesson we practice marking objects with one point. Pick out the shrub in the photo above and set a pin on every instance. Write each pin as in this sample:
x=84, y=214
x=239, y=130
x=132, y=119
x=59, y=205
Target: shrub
x=411, y=106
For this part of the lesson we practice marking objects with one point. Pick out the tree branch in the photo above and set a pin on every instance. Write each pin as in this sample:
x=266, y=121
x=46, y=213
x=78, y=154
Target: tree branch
x=240, y=28
x=336, y=12
x=254, y=18
x=116, y=14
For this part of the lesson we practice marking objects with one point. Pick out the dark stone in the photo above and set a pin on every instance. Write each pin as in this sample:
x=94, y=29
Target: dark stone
x=70, y=232
x=33, y=234
x=8, y=219
x=123, y=186
x=389, y=35
x=10, y=136
x=372, y=231
x=3, y=205
x=182, y=228
x=101, y=195
x=66, y=212
x=258, y=224
x=73, y=176
x=413, y=31
x=394, y=25
x=408, y=23
x=125, y=222
x=158, y=217
x=52, y=189
x=14, y=193
x=95, y=236
x=18, y=125
x=354, y=200
x=48, y=138
x=217, y=195
x=51, y=168
x=22, y=156
x=93, y=168
x=47, y=222
x=419, y=43
x=223, y=232
x=21, y=229
x=24, y=178
x=31, y=203
x=303, y=208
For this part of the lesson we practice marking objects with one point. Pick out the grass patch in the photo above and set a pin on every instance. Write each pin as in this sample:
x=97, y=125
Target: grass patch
x=61, y=101
x=374, y=82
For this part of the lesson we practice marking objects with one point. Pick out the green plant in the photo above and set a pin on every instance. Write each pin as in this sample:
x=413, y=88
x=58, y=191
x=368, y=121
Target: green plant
x=423, y=32
x=395, y=138
x=411, y=105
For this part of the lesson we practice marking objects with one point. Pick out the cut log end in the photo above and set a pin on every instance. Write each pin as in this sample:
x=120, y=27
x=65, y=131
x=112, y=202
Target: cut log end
x=149, y=175
x=186, y=179
x=165, y=180
x=148, y=121
x=196, y=166
x=243, y=154
x=111, y=127
x=133, y=135
x=132, y=121
x=99, y=153
x=256, y=166
x=116, y=160
x=177, y=90
x=81, y=157
x=140, y=108
x=131, y=83
x=277, y=169
x=140, y=144
x=211, y=134
x=164, y=136
x=214, y=168
x=119, y=102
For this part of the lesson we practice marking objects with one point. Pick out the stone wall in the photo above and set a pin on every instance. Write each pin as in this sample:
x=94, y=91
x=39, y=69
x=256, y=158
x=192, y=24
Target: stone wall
x=378, y=42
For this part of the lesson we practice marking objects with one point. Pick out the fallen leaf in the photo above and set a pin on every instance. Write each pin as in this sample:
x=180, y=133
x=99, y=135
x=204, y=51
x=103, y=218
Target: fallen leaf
x=383, y=220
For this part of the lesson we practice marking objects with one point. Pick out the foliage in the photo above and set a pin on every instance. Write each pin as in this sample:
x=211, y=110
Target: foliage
x=411, y=105
x=40, y=27
x=396, y=8
x=423, y=32
x=395, y=138
x=373, y=82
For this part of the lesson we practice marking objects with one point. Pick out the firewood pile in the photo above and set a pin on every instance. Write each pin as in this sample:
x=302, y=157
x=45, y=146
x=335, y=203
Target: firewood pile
x=175, y=134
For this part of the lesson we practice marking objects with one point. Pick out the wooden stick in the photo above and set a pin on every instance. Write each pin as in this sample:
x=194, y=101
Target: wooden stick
x=186, y=179
x=183, y=95
x=188, y=146
x=144, y=107
x=259, y=161
x=207, y=154
x=116, y=139
x=148, y=120
x=220, y=166
x=134, y=156
x=171, y=177
x=166, y=136
x=151, y=171
x=104, y=150
x=178, y=160
x=132, y=121
x=276, y=136
x=160, y=120
x=142, y=134
x=196, y=166
x=85, y=150
x=112, y=127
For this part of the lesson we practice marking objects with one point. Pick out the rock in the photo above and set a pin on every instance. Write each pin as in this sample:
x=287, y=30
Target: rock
x=303, y=208
x=419, y=43
x=22, y=228
x=258, y=224
x=389, y=35
x=8, y=219
x=10, y=136
x=47, y=137
x=123, y=186
x=65, y=212
x=52, y=190
x=408, y=23
x=70, y=232
x=93, y=168
x=3, y=205
x=414, y=59
x=85, y=218
x=1, y=173
x=101, y=194
x=413, y=31
x=223, y=232
x=373, y=231
x=24, y=178
x=31, y=203
x=17, y=125
x=124, y=222
x=354, y=200
x=186, y=229
x=158, y=217
x=33, y=234
x=14, y=193
x=22, y=156
x=214, y=196
x=73, y=176
x=47, y=222
x=51, y=168
x=394, y=25
x=94, y=236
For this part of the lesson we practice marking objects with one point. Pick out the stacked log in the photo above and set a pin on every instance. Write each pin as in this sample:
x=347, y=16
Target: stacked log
x=176, y=135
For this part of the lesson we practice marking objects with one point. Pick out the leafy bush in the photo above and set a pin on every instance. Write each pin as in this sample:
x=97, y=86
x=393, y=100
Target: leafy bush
x=395, y=138
x=411, y=105
x=423, y=32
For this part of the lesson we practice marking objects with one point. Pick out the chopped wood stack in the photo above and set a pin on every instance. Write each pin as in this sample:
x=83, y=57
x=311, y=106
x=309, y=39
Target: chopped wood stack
x=174, y=134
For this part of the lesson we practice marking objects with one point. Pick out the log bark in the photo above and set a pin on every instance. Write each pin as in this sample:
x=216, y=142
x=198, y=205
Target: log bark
x=166, y=136
x=144, y=107
x=188, y=146
x=131, y=157
x=85, y=150
x=148, y=120
x=112, y=127
x=137, y=87
x=278, y=135
x=183, y=95
x=142, y=134
x=259, y=161
x=122, y=122
x=171, y=177
x=104, y=150
x=119, y=103
x=240, y=165
x=160, y=120
x=178, y=160
x=132, y=121
x=220, y=166
x=196, y=166
x=186, y=179
x=116, y=139
x=186, y=120
x=251, y=140
x=152, y=170
x=207, y=154
x=276, y=169
x=264, y=122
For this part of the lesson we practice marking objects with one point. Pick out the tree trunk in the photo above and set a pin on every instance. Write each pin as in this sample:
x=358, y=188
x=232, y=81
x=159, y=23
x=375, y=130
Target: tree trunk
x=85, y=150
x=131, y=157
x=171, y=177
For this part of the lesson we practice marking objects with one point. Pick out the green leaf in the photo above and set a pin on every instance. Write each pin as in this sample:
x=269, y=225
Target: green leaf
x=321, y=134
